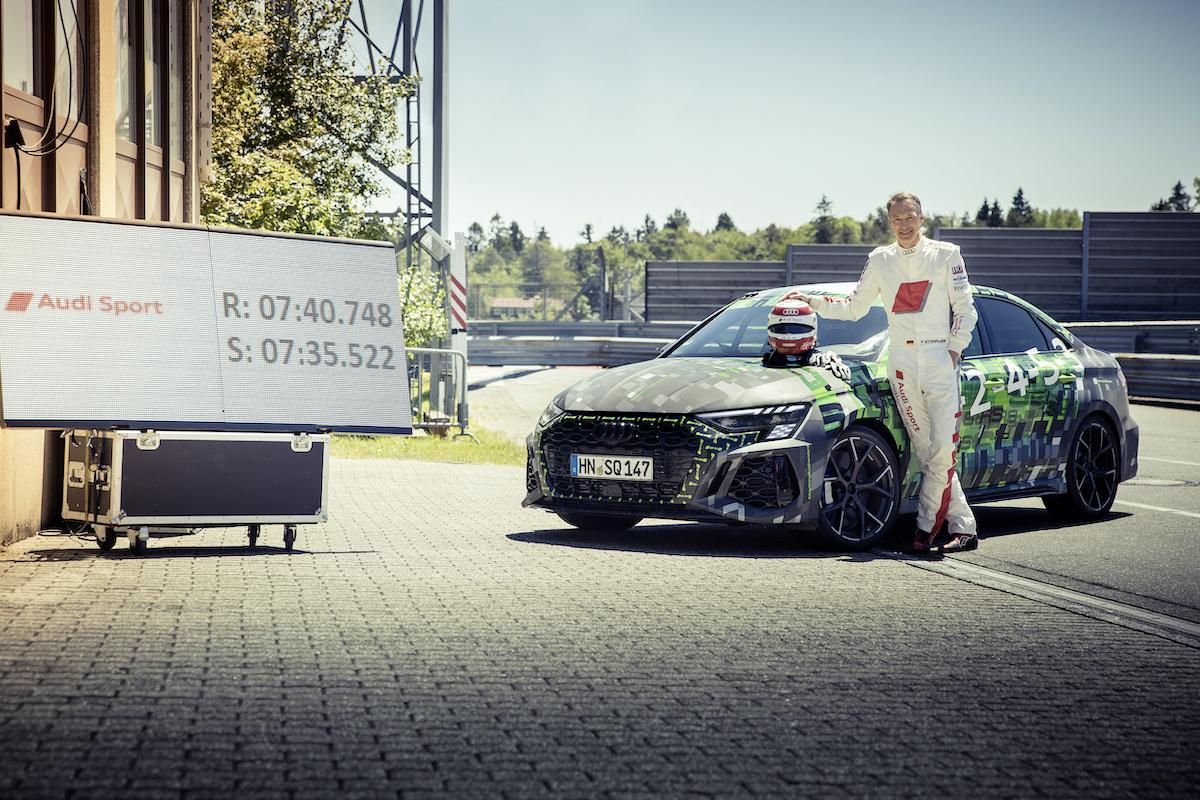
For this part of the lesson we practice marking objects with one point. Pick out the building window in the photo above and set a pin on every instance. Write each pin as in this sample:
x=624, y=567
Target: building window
x=177, y=40
x=21, y=54
x=126, y=58
x=155, y=64
x=69, y=68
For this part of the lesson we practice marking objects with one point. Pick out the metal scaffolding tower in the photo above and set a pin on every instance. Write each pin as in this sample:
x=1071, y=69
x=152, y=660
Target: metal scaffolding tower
x=419, y=210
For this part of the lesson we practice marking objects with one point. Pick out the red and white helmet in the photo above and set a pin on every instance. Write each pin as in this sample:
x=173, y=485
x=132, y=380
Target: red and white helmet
x=792, y=327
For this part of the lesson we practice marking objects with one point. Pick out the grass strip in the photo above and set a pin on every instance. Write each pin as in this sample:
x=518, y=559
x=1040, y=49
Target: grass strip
x=492, y=448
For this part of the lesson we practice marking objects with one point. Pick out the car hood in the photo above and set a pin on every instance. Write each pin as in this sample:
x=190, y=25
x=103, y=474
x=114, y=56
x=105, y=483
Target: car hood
x=692, y=385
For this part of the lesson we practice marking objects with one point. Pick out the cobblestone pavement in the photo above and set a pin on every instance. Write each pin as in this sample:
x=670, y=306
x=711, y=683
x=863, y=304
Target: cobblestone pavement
x=434, y=639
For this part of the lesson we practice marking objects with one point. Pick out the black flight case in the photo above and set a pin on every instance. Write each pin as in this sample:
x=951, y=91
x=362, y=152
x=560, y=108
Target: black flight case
x=125, y=482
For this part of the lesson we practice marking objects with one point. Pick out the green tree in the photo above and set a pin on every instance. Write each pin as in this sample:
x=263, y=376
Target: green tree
x=876, y=230
x=516, y=238
x=538, y=261
x=421, y=305
x=297, y=142
x=649, y=228
x=995, y=215
x=981, y=216
x=724, y=222
x=1021, y=213
x=824, y=221
x=935, y=222
x=586, y=233
x=475, y=238
x=619, y=236
x=1179, y=200
x=1057, y=218
x=677, y=220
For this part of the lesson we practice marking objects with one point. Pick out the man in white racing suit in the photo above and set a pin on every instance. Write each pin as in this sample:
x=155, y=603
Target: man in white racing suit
x=925, y=291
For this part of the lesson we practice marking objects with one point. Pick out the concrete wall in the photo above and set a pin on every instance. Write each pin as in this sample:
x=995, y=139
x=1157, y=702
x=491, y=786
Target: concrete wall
x=25, y=477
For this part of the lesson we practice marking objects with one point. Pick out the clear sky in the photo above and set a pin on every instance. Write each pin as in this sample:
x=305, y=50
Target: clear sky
x=564, y=112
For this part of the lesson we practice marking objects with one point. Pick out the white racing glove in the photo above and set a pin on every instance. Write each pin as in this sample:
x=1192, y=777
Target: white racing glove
x=833, y=363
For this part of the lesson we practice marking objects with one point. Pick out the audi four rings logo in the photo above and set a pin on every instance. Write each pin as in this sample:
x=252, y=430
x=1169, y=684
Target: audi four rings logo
x=789, y=312
x=617, y=432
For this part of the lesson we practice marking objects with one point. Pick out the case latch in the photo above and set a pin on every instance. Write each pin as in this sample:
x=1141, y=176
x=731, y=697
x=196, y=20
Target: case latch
x=147, y=440
x=99, y=477
x=75, y=475
x=301, y=443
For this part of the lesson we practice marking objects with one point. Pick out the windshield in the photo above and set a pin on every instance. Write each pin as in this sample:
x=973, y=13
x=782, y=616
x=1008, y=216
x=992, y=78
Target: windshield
x=741, y=331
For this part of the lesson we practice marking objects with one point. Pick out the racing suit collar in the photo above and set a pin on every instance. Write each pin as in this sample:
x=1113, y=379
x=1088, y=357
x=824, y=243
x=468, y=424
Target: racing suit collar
x=908, y=251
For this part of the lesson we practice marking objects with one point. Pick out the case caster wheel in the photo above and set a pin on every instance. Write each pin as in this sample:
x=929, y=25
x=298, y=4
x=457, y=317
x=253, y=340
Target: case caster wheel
x=289, y=537
x=139, y=539
x=106, y=537
x=254, y=530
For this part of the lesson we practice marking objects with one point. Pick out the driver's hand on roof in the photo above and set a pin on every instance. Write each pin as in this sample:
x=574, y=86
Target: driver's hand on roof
x=807, y=298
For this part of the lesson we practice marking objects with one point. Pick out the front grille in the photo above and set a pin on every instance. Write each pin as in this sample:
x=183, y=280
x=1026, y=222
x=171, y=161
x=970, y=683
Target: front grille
x=669, y=440
x=530, y=477
x=763, y=482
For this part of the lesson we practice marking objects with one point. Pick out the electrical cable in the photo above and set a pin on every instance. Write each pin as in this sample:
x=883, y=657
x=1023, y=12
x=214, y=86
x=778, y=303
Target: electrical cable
x=49, y=146
x=50, y=101
x=17, y=158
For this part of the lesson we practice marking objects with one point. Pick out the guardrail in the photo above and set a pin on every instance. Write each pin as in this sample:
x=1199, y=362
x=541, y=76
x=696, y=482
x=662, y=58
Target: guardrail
x=1162, y=377
x=1172, y=373
x=668, y=331
x=1178, y=337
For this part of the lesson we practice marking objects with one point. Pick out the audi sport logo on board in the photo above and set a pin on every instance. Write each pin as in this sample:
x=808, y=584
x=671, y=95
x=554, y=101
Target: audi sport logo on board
x=19, y=301
x=85, y=303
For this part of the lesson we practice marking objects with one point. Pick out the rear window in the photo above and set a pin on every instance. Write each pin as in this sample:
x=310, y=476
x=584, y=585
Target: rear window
x=1013, y=328
x=741, y=331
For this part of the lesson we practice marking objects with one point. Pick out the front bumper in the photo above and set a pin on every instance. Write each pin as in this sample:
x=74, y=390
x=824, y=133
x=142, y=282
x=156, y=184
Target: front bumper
x=701, y=473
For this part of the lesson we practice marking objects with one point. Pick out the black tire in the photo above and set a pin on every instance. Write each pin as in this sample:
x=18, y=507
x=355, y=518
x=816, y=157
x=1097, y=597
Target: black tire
x=597, y=522
x=105, y=537
x=1093, y=472
x=860, y=495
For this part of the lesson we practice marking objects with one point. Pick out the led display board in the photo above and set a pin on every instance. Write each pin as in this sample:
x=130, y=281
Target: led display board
x=109, y=324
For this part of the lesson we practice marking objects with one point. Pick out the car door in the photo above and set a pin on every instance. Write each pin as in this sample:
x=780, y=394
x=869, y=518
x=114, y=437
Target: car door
x=1016, y=398
x=978, y=423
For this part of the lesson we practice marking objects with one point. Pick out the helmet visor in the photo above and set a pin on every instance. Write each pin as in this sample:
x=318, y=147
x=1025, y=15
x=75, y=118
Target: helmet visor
x=790, y=328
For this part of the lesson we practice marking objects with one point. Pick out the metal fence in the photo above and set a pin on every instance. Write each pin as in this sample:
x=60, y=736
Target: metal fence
x=547, y=301
x=691, y=290
x=437, y=389
x=1160, y=359
x=1119, y=266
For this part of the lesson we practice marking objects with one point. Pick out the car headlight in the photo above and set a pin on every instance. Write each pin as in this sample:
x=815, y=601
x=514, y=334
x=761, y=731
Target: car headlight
x=552, y=412
x=780, y=421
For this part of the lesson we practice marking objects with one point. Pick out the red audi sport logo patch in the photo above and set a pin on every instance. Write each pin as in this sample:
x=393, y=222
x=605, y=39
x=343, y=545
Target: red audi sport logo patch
x=910, y=297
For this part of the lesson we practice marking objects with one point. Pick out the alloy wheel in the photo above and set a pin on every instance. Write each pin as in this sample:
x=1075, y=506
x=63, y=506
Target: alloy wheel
x=859, y=494
x=1096, y=467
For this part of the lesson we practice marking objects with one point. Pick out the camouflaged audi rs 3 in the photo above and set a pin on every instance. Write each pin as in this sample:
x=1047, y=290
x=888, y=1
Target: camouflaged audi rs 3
x=706, y=432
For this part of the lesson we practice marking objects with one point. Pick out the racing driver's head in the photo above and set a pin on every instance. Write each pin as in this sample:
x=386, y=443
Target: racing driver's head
x=792, y=327
x=905, y=218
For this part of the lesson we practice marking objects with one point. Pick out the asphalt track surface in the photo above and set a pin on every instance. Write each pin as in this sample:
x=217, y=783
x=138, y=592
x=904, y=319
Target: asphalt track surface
x=434, y=639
